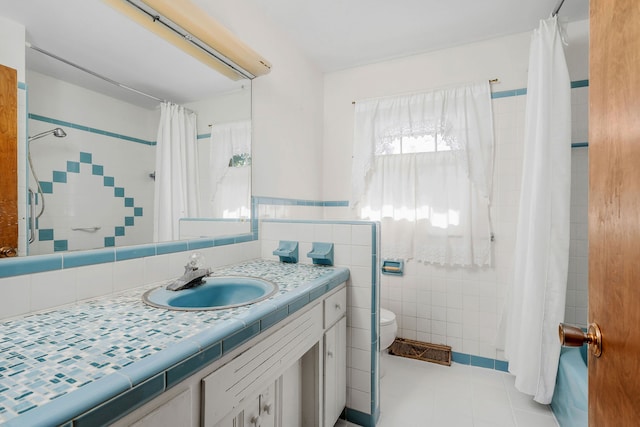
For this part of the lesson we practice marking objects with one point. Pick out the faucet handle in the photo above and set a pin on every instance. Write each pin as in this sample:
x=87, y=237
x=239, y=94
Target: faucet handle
x=196, y=261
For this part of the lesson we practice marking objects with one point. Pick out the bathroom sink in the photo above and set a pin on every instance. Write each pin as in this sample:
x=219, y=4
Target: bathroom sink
x=215, y=293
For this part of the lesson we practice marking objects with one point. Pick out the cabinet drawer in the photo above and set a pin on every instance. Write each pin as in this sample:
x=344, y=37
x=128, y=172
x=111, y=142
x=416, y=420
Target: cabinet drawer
x=224, y=389
x=335, y=307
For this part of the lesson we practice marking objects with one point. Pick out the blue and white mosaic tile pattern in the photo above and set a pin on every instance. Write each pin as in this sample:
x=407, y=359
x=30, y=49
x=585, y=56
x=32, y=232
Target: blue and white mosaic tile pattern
x=46, y=355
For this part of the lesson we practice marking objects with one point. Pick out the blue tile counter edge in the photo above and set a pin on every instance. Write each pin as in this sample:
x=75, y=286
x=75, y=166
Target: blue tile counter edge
x=66, y=406
x=18, y=266
x=151, y=375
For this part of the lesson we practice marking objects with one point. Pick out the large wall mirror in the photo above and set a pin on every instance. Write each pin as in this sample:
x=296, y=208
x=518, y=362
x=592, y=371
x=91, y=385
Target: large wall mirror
x=92, y=144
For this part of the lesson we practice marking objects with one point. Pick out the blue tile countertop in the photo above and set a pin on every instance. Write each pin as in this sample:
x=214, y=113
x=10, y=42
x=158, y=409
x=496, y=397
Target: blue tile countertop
x=120, y=350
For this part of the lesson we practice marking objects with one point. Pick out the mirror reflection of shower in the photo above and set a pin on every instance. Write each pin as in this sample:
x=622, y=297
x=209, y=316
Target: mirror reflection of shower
x=58, y=133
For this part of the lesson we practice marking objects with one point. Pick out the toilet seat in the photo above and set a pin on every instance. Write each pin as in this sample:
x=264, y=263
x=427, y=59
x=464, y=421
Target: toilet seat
x=386, y=317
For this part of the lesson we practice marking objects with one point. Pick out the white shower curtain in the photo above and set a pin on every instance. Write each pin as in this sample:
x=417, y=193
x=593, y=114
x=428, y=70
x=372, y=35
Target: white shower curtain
x=230, y=186
x=176, y=186
x=536, y=301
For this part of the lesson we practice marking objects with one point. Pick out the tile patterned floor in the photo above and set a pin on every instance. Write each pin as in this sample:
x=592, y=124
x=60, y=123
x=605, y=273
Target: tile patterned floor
x=422, y=394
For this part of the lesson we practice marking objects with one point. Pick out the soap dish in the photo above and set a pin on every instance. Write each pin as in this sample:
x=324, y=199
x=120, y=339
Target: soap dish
x=321, y=253
x=287, y=251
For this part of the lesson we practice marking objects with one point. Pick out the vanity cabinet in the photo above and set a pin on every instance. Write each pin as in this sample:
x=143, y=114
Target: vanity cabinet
x=335, y=357
x=335, y=371
x=256, y=411
x=294, y=374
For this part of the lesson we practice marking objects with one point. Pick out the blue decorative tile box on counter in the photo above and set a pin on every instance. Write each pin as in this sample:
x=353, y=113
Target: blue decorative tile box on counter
x=61, y=365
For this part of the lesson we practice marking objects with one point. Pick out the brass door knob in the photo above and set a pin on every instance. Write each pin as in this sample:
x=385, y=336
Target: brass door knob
x=8, y=251
x=572, y=336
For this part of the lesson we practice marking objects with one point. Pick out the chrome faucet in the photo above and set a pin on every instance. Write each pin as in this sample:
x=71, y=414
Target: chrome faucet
x=193, y=275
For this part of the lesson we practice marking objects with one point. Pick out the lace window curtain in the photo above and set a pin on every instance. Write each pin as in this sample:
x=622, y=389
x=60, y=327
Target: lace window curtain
x=433, y=202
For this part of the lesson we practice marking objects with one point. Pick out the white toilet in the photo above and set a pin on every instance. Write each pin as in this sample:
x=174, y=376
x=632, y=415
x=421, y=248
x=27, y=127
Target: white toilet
x=388, y=328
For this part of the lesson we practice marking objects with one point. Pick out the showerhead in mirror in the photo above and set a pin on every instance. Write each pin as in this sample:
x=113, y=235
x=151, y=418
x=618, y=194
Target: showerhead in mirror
x=57, y=132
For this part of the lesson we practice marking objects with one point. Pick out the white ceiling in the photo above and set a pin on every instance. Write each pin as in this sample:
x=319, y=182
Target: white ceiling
x=335, y=34
x=340, y=34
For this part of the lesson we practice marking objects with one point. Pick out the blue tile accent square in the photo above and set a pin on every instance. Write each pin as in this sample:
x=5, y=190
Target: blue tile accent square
x=119, y=231
x=47, y=187
x=128, y=202
x=85, y=157
x=137, y=211
x=128, y=221
x=109, y=181
x=60, y=245
x=45, y=234
x=97, y=170
x=109, y=242
x=59, y=176
x=73, y=167
x=118, y=192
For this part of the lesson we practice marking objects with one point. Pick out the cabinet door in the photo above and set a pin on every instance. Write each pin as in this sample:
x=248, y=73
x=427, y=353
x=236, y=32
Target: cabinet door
x=335, y=372
x=175, y=412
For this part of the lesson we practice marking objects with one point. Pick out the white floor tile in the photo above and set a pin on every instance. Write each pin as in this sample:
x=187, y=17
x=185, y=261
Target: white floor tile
x=422, y=394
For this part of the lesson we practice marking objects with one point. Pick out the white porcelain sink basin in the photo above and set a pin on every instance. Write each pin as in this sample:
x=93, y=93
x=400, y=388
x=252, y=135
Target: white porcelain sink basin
x=216, y=293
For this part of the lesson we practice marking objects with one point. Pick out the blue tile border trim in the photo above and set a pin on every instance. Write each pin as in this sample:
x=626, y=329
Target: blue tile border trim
x=360, y=418
x=18, y=266
x=40, y=263
x=89, y=129
x=579, y=83
x=523, y=91
x=482, y=362
x=280, y=201
x=122, y=404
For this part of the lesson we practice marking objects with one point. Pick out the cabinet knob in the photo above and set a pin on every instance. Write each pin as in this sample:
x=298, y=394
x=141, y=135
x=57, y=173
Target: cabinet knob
x=329, y=353
x=338, y=307
x=267, y=408
x=255, y=420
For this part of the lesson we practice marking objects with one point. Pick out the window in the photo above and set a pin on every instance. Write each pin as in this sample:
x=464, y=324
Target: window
x=422, y=165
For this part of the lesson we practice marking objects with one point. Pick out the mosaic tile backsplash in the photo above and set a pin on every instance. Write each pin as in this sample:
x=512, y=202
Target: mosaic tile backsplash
x=46, y=355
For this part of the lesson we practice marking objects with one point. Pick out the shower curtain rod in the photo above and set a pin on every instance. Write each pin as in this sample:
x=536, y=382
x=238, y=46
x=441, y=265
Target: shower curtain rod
x=81, y=68
x=557, y=8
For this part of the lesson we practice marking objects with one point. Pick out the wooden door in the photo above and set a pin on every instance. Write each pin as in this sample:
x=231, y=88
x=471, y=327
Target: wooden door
x=8, y=161
x=614, y=211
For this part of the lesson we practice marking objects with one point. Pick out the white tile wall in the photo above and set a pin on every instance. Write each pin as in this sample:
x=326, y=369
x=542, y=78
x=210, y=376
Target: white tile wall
x=35, y=292
x=461, y=307
x=196, y=228
x=577, y=302
x=352, y=249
